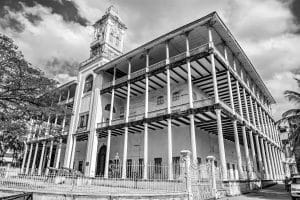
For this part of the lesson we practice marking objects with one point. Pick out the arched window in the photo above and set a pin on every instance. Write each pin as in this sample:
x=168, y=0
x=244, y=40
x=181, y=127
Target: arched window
x=88, y=85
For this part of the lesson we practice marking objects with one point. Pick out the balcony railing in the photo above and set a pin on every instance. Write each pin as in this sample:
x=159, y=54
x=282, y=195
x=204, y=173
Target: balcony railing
x=160, y=112
x=158, y=65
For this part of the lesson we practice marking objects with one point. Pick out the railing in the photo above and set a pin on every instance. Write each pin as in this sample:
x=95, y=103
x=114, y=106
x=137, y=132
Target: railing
x=159, y=64
x=66, y=183
x=175, y=109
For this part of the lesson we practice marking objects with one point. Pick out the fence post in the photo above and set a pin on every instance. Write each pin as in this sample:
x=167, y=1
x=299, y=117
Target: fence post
x=211, y=161
x=186, y=158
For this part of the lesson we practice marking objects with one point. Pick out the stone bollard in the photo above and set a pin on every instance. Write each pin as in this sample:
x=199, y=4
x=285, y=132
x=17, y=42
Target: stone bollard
x=186, y=158
x=211, y=161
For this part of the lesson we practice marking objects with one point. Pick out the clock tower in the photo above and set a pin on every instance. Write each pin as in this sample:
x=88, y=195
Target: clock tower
x=108, y=35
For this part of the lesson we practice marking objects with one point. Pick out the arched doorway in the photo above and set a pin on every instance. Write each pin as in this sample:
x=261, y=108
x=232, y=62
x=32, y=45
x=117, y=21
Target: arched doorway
x=101, y=161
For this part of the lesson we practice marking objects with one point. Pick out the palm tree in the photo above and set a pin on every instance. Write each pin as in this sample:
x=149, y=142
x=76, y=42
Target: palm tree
x=292, y=118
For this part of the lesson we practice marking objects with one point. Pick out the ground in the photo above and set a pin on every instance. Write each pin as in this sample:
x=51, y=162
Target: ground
x=276, y=192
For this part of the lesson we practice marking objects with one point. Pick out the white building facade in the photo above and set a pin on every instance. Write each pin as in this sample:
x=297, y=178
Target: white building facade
x=190, y=89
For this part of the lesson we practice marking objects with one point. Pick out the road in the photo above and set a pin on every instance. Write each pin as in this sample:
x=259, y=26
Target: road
x=275, y=192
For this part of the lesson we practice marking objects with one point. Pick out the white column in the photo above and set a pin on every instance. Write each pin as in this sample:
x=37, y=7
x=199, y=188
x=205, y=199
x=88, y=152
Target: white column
x=272, y=161
x=109, y=123
x=268, y=160
x=246, y=148
x=34, y=158
x=24, y=157
x=276, y=165
x=259, y=126
x=260, y=162
x=58, y=153
x=218, y=111
x=41, y=158
x=230, y=91
x=221, y=144
x=29, y=158
x=126, y=121
x=238, y=150
x=253, y=151
x=262, y=122
x=263, y=152
x=191, y=102
x=145, y=173
x=73, y=151
x=279, y=155
x=170, y=146
x=49, y=158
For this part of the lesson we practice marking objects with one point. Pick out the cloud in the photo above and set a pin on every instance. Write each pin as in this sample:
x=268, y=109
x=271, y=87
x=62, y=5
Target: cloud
x=54, y=45
x=55, y=35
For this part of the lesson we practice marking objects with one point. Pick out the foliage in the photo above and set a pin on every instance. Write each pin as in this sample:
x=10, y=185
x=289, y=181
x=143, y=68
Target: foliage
x=25, y=93
x=292, y=118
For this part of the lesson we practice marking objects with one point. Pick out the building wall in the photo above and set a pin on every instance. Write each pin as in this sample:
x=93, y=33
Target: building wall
x=207, y=145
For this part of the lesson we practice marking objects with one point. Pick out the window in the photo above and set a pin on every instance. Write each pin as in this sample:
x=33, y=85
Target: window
x=83, y=121
x=194, y=96
x=175, y=96
x=80, y=166
x=88, y=85
x=160, y=100
x=157, y=165
x=107, y=108
x=199, y=160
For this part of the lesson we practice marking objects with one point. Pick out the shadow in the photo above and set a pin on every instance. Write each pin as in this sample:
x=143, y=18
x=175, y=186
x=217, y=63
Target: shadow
x=276, y=192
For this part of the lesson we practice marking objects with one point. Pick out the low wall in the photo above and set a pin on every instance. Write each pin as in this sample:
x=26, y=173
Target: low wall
x=234, y=188
x=57, y=196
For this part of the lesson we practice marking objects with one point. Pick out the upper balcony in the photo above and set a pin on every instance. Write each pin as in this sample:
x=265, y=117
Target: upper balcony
x=156, y=113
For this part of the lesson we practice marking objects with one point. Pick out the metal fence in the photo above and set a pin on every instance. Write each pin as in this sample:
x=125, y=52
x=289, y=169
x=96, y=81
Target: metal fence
x=67, y=183
x=199, y=181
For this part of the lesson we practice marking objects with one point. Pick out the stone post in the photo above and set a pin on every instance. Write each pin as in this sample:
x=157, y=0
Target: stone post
x=211, y=161
x=186, y=158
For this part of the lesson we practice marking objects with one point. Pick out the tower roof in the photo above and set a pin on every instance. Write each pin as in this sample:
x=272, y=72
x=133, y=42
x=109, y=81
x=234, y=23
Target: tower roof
x=112, y=12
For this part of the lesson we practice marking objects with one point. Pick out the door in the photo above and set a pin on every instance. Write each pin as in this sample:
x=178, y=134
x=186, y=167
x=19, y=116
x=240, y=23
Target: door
x=101, y=161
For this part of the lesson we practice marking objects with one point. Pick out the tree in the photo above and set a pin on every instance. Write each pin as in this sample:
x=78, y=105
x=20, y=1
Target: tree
x=292, y=118
x=25, y=93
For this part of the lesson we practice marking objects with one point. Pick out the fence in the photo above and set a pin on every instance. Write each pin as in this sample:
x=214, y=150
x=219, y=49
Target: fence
x=199, y=181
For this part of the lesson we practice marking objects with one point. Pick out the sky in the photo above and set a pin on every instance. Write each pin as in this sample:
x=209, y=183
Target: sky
x=54, y=35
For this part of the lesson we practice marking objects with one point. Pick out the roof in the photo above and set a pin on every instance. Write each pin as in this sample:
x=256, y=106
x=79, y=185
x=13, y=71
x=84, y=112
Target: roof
x=220, y=28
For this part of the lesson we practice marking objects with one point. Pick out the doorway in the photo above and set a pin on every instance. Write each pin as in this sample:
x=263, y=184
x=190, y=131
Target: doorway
x=101, y=161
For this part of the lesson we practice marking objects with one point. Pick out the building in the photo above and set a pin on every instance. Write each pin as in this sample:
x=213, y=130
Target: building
x=192, y=88
x=290, y=166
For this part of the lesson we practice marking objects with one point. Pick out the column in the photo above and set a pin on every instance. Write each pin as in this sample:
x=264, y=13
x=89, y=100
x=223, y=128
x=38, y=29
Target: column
x=41, y=158
x=24, y=157
x=73, y=151
x=145, y=173
x=253, y=151
x=245, y=141
x=109, y=123
x=260, y=162
x=49, y=158
x=190, y=91
x=238, y=150
x=268, y=160
x=277, y=153
x=34, y=158
x=263, y=152
x=58, y=153
x=271, y=158
x=262, y=122
x=259, y=126
x=218, y=111
x=29, y=158
x=169, y=120
x=276, y=166
x=126, y=121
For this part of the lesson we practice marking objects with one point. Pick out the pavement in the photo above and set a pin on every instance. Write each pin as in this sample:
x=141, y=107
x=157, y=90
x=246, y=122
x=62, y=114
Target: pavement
x=276, y=192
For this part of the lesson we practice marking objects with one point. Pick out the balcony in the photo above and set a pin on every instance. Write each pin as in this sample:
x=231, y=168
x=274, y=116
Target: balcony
x=176, y=109
x=193, y=52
